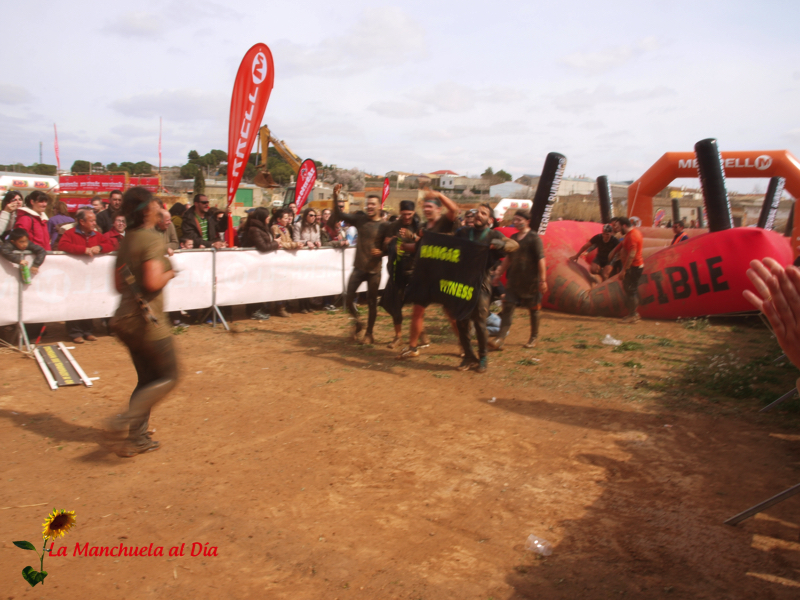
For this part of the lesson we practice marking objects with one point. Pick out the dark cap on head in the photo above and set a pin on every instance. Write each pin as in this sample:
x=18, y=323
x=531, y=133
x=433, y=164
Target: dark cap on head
x=523, y=213
x=607, y=228
x=406, y=205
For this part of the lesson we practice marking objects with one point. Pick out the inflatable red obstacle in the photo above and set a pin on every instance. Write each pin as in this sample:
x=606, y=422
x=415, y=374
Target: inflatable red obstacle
x=702, y=276
x=672, y=165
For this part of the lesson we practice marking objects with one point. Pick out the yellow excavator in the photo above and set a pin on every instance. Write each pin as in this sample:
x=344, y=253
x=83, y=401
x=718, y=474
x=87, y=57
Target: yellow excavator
x=263, y=177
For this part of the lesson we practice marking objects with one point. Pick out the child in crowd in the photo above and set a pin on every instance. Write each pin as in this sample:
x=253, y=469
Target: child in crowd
x=17, y=243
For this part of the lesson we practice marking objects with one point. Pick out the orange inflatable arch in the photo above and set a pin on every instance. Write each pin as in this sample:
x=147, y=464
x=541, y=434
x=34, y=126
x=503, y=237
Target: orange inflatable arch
x=672, y=165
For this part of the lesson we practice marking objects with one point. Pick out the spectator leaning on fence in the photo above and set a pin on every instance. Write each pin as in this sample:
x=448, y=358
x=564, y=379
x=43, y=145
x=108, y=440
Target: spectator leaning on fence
x=32, y=219
x=165, y=226
x=59, y=222
x=8, y=212
x=83, y=240
x=117, y=232
x=306, y=231
x=16, y=244
x=105, y=219
x=255, y=234
x=176, y=212
x=280, y=229
x=198, y=227
x=331, y=234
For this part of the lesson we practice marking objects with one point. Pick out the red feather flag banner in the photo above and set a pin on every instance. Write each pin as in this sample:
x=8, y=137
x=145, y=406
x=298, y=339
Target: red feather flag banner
x=251, y=93
x=306, y=177
x=386, y=189
x=58, y=156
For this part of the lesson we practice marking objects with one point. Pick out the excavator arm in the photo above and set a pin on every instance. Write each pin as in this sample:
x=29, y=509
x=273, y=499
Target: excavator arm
x=263, y=178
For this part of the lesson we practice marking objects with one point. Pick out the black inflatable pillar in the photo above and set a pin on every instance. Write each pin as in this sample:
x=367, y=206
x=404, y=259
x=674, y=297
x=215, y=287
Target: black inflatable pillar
x=676, y=210
x=766, y=220
x=606, y=201
x=790, y=221
x=701, y=223
x=712, y=180
x=547, y=191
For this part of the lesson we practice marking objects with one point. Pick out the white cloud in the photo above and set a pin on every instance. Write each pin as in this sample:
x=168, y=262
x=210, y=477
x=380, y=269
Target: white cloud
x=135, y=24
x=176, y=105
x=399, y=109
x=382, y=37
x=14, y=94
x=581, y=100
x=608, y=58
x=446, y=96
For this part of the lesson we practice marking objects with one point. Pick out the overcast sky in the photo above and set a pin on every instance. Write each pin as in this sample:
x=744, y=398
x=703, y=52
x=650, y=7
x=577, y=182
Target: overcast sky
x=410, y=86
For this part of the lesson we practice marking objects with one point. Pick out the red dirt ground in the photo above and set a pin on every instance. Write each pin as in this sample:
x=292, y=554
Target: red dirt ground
x=322, y=469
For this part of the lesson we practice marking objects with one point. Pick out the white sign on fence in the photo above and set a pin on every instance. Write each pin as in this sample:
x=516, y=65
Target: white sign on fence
x=71, y=287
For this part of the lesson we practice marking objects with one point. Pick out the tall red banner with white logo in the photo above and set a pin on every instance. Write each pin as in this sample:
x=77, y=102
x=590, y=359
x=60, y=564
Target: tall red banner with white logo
x=386, y=188
x=306, y=177
x=249, y=101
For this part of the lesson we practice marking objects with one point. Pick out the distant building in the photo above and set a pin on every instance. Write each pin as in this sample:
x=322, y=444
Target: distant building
x=576, y=186
x=509, y=189
x=400, y=176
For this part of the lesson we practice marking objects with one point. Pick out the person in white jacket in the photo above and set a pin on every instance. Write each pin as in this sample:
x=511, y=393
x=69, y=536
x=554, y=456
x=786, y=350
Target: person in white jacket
x=306, y=230
x=8, y=213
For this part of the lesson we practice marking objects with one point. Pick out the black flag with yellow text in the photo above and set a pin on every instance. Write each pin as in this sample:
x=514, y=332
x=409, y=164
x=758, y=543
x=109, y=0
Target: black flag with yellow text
x=448, y=271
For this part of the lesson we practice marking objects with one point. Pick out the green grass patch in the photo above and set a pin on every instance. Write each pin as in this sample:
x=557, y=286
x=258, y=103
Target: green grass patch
x=632, y=364
x=628, y=347
x=528, y=362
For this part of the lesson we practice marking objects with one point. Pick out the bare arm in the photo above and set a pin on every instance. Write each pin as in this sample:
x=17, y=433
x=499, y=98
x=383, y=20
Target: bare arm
x=583, y=249
x=542, y=275
x=154, y=276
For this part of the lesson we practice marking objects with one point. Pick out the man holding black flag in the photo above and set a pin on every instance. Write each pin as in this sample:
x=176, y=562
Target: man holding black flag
x=499, y=245
x=435, y=222
x=399, y=242
x=367, y=263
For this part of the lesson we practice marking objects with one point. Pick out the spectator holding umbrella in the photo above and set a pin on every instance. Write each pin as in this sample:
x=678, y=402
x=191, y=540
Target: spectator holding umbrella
x=32, y=218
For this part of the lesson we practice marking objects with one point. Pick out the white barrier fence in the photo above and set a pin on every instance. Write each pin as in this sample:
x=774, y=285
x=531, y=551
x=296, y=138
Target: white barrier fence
x=77, y=287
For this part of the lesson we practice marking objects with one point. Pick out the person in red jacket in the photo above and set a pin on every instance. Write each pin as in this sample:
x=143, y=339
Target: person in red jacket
x=84, y=240
x=32, y=219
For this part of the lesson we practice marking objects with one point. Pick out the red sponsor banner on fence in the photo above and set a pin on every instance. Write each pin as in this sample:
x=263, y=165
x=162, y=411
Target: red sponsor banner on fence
x=306, y=177
x=251, y=92
x=387, y=186
x=149, y=183
x=74, y=203
x=91, y=183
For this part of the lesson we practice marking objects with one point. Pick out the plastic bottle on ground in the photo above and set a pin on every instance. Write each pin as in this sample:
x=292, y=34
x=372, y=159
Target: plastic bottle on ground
x=539, y=545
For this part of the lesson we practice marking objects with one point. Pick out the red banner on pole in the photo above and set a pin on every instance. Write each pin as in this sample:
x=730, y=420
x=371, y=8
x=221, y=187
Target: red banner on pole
x=248, y=102
x=387, y=186
x=91, y=183
x=306, y=177
x=58, y=158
